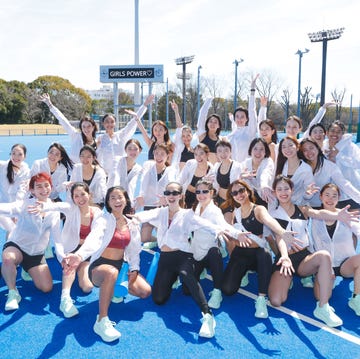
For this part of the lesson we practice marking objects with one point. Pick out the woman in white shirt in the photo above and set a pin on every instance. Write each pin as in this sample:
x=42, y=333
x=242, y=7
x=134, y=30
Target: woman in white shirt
x=111, y=143
x=90, y=172
x=86, y=135
x=112, y=240
x=337, y=239
x=290, y=164
x=80, y=217
x=27, y=242
x=325, y=172
x=126, y=171
x=58, y=164
x=174, y=225
x=14, y=180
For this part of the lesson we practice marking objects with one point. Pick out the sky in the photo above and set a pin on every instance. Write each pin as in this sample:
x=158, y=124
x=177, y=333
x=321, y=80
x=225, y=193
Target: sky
x=72, y=38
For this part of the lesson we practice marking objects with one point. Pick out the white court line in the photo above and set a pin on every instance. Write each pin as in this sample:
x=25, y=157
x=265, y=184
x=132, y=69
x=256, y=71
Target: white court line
x=337, y=332
x=349, y=337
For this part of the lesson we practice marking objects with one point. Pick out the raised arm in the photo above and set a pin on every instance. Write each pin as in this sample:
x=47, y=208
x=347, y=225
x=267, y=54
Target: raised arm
x=202, y=116
x=64, y=122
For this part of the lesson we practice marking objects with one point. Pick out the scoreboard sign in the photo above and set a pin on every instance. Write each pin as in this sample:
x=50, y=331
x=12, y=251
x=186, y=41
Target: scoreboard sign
x=132, y=73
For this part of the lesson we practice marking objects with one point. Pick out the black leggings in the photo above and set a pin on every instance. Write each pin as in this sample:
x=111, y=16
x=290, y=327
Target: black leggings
x=171, y=265
x=213, y=261
x=242, y=260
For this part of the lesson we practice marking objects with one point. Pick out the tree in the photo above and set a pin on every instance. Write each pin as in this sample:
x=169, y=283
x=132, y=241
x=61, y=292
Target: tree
x=338, y=97
x=306, y=108
x=72, y=101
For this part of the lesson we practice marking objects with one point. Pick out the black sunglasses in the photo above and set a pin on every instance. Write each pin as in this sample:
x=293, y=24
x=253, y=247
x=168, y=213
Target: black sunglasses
x=240, y=190
x=202, y=191
x=171, y=193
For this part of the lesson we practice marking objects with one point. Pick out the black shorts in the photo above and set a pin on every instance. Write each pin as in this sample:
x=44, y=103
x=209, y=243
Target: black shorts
x=28, y=261
x=337, y=269
x=115, y=263
x=78, y=247
x=296, y=258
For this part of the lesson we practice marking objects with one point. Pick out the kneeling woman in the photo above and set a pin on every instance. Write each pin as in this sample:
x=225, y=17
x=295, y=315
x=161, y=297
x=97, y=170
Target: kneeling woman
x=252, y=255
x=27, y=242
x=174, y=225
x=295, y=217
x=336, y=238
x=112, y=239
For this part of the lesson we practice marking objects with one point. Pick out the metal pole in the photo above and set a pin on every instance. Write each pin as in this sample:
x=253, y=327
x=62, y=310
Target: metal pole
x=351, y=116
x=167, y=102
x=150, y=109
x=184, y=91
x=136, y=85
x=358, y=126
x=236, y=62
x=323, y=72
x=198, y=90
x=116, y=104
x=299, y=84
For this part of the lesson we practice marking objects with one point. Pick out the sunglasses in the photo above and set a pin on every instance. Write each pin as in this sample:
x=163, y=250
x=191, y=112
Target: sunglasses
x=239, y=191
x=202, y=191
x=171, y=193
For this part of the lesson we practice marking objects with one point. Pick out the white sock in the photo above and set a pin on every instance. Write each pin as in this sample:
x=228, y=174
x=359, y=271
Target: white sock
x=65, y=293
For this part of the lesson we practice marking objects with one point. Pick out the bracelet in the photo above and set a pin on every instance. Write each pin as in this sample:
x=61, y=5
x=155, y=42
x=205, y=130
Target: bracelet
x=252, y=89
x=135, y=270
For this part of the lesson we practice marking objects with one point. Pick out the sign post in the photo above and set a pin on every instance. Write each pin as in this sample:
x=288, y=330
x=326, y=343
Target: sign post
x=130, y=73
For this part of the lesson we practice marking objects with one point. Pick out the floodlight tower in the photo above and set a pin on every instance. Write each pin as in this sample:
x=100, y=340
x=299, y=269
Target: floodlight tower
x=184, y=76
x=324, y=36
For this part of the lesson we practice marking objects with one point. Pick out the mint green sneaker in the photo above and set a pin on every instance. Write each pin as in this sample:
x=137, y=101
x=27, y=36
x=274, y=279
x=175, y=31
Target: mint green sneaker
x=261, y=307
x=327, y=315
x=354, y=304
x=307, y=282
x=215, y=299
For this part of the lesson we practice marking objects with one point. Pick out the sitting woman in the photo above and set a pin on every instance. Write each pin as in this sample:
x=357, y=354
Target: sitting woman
x=305, y=263
x=336, y=238
x=252, y=254
x=112, y=239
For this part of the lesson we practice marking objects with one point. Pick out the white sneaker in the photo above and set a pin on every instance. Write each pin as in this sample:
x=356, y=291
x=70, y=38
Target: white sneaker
x=105, y=328
x=203, y=274
x=245, y=280
x=49, y=252
x=261, y=307
x=117, y=300
x=150, y=245
x=354, y=304
x=68, y=308
x=307, y=282
x=176, y=284
x=25, y=275
x=207, y=329
x=327, y=315
x=13, y=300
x=215, y=299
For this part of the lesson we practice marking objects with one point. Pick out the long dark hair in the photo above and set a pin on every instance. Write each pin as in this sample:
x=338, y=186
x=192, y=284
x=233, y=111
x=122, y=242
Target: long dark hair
x=10, y=174
x=127, y=209
x=219, y=121
x=320, y=157
x=93, y=153
x=271, y=124
x=281, y=159
x=88, y=119
x=65, y=159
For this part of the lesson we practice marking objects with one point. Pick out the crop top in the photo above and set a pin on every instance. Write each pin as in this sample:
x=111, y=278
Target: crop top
x=85, y=230
x=251, y=224
x=195, y=179
x=210, y=143
x=120, y=239
x=186, y=155
x=88, y=182
x=223, y=179
x=151, y=151
x=297, y=215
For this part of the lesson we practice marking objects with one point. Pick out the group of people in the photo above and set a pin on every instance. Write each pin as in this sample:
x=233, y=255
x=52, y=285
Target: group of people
x=278, y=209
